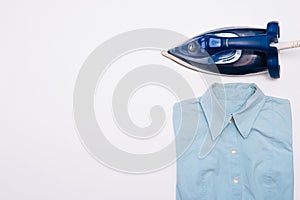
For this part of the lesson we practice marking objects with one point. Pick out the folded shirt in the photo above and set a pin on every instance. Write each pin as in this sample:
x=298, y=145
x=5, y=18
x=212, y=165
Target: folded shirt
x=234, y=143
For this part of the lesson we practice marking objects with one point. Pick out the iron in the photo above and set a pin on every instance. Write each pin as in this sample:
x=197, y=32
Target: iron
x=235, y=51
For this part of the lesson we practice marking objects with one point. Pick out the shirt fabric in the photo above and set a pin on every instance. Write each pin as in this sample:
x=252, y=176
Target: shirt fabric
x=234, y=143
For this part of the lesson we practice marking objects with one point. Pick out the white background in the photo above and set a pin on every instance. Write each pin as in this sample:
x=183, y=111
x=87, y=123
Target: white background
x=42, y=47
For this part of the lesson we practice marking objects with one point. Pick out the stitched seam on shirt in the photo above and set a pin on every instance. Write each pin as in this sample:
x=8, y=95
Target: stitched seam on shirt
x=269, y=173
x=233, y=99
x=203, y=185
x=229, y=90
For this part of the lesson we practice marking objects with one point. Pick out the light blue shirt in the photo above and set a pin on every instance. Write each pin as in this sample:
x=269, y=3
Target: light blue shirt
x=234, y=143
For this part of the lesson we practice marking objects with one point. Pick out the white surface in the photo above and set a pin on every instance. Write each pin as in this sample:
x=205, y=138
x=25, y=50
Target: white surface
x=43, y=45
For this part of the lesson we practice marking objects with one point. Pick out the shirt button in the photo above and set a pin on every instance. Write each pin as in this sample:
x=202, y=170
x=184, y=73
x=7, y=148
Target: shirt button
x=231, y=120
x=235, y=180
x=233, y=151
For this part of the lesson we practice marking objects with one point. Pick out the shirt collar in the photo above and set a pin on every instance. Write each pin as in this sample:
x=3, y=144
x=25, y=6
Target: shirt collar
x=215, y=110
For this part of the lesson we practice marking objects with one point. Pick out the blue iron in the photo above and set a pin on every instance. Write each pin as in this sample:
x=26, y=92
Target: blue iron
x=233, y=51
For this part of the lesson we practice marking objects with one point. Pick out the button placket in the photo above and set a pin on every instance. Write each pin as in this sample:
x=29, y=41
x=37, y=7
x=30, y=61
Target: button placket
x=234, y=159
x=231, y=121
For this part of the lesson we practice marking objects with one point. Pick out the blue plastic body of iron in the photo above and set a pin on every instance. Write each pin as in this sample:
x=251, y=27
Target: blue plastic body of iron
x=232, y=51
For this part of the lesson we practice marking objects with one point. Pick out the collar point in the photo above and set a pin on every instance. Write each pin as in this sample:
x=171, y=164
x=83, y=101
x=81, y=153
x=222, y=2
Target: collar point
x=214, y=137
